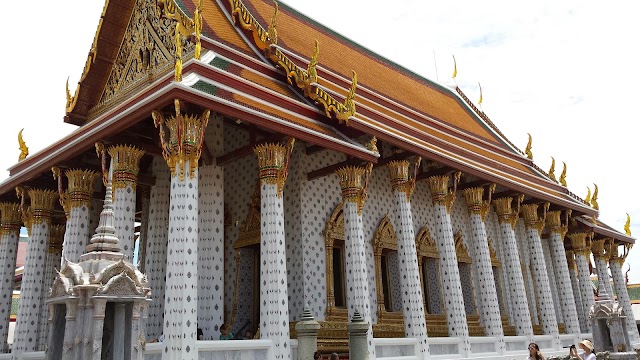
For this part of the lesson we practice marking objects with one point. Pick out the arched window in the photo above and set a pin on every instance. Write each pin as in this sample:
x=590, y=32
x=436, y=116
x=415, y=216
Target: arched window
x=385, y=251
x=429, y=266
x=334, y=251
x=464, y=268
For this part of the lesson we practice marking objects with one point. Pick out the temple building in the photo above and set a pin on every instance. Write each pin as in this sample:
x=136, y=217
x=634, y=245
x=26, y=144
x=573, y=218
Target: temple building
x=272, y=168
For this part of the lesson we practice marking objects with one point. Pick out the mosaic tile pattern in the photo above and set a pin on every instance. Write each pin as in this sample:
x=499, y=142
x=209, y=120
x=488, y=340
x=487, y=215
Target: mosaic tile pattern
x=539, y=269
x=124, y=211
x=434, y=282
x=8, y=252
x=77, y=234
x=515, y=282
x=488, y=304
x=467, y=288
x=623, y=298
x=494, y=230
x=356, y=269
x=394, y=282
x=156, y=252
x=585, y=286
x=409, y=276
x=577, y=296
x=601, y=270
x=32, y=290
x=548, y=261
x=274, y=303
x=53, y=263
x=565, y=291
x=453, y=296
x=293, y=232
x=181, y=292
x=246, y=286
x=525, y=259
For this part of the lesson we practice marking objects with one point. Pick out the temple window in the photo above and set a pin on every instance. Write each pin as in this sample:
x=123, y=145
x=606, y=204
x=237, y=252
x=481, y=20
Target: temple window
x=334, y=251
x=464, y=267
x=385, y=246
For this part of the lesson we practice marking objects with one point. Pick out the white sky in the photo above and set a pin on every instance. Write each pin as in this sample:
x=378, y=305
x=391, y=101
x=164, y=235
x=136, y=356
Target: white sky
x=564, y=71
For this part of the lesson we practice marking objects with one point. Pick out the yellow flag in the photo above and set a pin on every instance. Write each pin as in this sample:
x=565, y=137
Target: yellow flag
x=480, y=100
x=455, y=68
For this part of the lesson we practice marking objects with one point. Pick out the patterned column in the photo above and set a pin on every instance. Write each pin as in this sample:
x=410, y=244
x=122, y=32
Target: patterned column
x=76, y=202
x=9, y=236
x=52, y=265
x=581, y=248
x=182, y=151
x=156, y=252
x=601, y=250
x=534, y=226
x=514, y=281
x=575, y=286
x=273, y=163
x=488, y=305
x=525, y=265
x=410, y=286
x=354, y=182
x=561, y=271
x=443, y=200
x=618, y=257
x=144, y=228
x=125, y=161
x=32, y=289
x=546, y=251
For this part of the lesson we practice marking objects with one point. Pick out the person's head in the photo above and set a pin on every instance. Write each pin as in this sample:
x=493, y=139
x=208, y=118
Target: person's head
x=248, y=334
x=533, y=350
x=316, y=355
x=223, y=329
x=334, y=356
x=586, y=346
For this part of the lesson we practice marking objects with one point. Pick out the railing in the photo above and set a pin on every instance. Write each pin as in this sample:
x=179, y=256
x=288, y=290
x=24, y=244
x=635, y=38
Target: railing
x=445, y=348
x=38, y=355
x=569, y=339
x=545, y=342
x=483, y=344
x=395, y=348
x=221, y=350
x=517, y=344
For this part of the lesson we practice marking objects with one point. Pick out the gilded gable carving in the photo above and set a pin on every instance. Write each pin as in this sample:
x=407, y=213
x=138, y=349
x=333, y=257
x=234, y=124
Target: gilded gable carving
x=385, y=236
x=461, y=250
x=425, y=245
x=250, y=232
x=334, y=228
x=147, y=51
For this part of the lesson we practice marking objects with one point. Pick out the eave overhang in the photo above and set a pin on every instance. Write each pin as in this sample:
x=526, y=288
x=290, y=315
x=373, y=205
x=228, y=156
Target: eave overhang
x=605, y=231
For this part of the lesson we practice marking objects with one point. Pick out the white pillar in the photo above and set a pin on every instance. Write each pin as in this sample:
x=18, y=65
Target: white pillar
x=551, y=275
x=514, y=281
x=9, y=236
x=581, y=249
x=615, y=263
x=601, y=250
x=32, y=289
x=354, y=183
x=156, y=251
x=125, y=162
x=410, y=286
x=273, y=163
x=534, y=226
x=561, y=270
x=487, y=296
x=69, y=349
x=144, y=229
x=575, y=286
x=443, y=200
x=525, y=265
x=182, y=151
x=54, y=255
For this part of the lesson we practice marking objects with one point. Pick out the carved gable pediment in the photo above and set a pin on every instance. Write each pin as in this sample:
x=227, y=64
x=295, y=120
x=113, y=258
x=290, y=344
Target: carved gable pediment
x=115, y=269
x=425, y=245
x=62, y=286
x=334, y=229
x=250, y=231
x=461, y=250
x=147, y=51
x=120, y=285
x=493, y=254
x=385, y=236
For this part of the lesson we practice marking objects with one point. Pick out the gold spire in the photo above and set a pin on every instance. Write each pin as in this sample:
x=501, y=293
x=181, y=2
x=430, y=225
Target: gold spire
x=552, y=170
x=455, y=68
x=627, y=225
x=594, y=198
x=527, y=150
x=480, y=100
x=563, y=176
x=24, y=150
x=587, y=199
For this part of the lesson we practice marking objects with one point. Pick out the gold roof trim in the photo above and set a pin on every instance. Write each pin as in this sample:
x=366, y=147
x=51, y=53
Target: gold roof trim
x=266, y=40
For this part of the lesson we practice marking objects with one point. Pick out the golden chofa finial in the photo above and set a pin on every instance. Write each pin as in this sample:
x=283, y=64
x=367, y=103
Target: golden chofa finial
x=527, y=150
x=24, y=150
x=563, y=176
x=594, y=198
x=587, y=199
x=178, y=56
x=272, y=32
x=552, y=170
x=69, y=97
x=627, y=225
x=311, y=69
x=197, y=25
x=349, y=105
x=455, y=68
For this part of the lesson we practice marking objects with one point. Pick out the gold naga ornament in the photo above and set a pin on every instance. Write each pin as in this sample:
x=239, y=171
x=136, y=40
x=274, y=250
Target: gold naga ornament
x=552, y=170
x=24, y=150
x=587, y=198
x=627, y=225
x=594, y=198
x=527, y=150
x=563, y=175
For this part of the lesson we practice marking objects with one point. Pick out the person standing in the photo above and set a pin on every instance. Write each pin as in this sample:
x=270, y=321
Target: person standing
x=587, y=347
x=534, y=352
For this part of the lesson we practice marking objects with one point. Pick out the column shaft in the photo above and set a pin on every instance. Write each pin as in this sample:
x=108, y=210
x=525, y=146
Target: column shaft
x=443, y=200
x=410, y=285
x=487, y=299
x=515, y=280
x=525, y=265
x=32, y=289
x=623, y=298
x=9, y=237
x=551, y=275
x=575, y=286
x=581, y=250
x=54, y=255
x=601, y=250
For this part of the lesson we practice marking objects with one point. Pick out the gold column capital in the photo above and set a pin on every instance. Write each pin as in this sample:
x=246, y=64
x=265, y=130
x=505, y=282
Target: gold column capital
x=354, y=181
x=273, y=163
x=619, y=256
x=571, y=260
x=185, y=139
x=505, y=213
x=10, y=219
x=475, y=202
x=56, y=237
x=531, y=218
x=401, y=178
x=601, y=249
x=440, y=192
x=125, y=160
x=80, y=186
x=580, y=243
